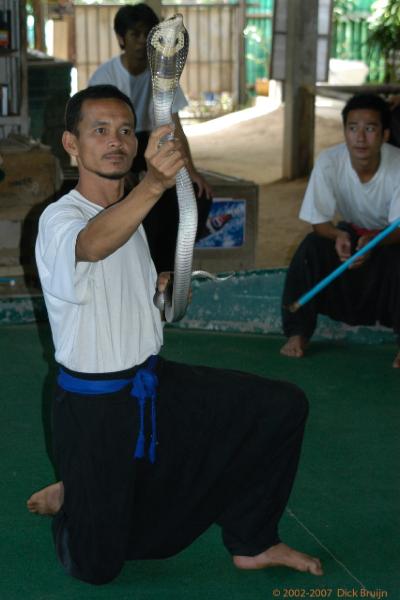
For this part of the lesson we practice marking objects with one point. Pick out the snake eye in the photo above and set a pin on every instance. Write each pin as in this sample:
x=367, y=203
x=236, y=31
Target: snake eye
x=176, y=41
x=161, y=40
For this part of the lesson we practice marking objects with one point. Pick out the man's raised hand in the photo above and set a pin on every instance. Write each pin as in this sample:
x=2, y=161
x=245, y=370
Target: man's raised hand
x=164, y=158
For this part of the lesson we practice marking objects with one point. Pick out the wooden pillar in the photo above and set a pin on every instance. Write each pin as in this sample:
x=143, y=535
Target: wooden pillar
x=23, y=107
x=301, y=56
x=38, y=13
x=241, y=61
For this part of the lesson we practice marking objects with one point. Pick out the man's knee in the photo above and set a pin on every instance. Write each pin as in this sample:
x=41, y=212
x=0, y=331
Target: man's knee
x=298, y=401
x=88, y=563
x=286, y=414
x=291, y=402
x=98, y=574
x=311, y=254
x=390, y=256
x=96, y=570
x=315, y=243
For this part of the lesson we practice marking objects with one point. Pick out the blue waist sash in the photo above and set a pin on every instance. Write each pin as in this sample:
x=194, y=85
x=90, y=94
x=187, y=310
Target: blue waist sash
x=144, y=386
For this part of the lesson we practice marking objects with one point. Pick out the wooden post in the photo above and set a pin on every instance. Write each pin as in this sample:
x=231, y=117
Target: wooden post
x=301, y=56
x=241, y=80
x=40, y=43
x=23, y=107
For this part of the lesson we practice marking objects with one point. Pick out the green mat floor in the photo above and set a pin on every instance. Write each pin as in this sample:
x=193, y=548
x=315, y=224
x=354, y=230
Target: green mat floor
x=344, y=506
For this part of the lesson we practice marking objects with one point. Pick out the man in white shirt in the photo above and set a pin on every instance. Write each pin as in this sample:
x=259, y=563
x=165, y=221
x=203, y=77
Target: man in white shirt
x=130, y=73
x=359, y=183
x=150, y=452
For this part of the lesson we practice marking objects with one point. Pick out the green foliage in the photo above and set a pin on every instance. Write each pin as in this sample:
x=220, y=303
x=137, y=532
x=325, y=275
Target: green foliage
x=257, y=49
x=101, y=2
x=384, y=36
x=342, y=8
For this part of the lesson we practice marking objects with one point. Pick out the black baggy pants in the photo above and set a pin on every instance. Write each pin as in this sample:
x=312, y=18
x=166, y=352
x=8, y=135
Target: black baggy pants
x=228, y=450
x=366, y=295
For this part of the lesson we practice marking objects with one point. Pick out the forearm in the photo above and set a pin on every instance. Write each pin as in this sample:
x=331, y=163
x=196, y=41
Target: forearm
x=113, y=227
x=392, y=238
x=394, y=101
x=327, y=230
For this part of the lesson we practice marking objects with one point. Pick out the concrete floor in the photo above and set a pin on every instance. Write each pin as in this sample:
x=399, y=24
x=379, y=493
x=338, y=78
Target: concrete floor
x=249, y=145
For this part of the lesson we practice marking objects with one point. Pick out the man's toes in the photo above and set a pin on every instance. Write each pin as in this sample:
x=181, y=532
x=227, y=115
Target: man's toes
x=316, y=567
x=396, y=362
x=288, y=350
x=32, y=507
x=296, y=352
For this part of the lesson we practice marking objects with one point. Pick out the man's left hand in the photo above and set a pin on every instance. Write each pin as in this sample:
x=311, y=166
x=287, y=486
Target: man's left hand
x=362, y=241
x=202, y=184
x=164, y=278
x=162, y=281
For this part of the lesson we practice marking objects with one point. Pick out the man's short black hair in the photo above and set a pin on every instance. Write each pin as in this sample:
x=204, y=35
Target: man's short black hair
x=94, y=92
x=370, y=102
x=129, y=15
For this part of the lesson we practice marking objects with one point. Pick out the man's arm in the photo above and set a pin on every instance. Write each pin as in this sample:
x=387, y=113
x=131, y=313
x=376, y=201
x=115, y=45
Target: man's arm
x=341, y=238
x=195, y=176
x=392, y=238
x=112, y=228
x=343, y=242
x=394, y=101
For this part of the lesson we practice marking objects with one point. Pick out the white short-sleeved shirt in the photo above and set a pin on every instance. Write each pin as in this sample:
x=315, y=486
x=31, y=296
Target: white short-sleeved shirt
x=101, y=313
x=137, y=88
x=334, y=186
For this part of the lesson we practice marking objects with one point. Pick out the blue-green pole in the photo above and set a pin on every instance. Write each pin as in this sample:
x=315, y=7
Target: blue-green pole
x=327, y=280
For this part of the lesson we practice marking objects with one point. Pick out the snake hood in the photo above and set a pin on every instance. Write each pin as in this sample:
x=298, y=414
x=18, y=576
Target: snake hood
x=167, y=48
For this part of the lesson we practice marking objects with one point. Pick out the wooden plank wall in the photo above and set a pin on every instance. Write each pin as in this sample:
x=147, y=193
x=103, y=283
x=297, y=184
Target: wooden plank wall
x=212, y=61
x=212, y=64
x=94, y=38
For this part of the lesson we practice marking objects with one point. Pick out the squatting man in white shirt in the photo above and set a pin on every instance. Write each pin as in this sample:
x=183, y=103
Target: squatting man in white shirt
x=359, y=181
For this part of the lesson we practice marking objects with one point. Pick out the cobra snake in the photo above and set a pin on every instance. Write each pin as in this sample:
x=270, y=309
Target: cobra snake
x=167, y=49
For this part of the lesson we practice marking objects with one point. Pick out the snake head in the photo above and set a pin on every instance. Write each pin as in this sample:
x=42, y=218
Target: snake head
x=167, y=47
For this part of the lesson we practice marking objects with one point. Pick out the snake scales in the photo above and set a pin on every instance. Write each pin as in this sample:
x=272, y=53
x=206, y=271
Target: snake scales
x=167, y=49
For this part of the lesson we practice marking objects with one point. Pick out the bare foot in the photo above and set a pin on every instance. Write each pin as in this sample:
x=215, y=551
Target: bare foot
x=295, y=346
x=47, y=501
x=396, y=362
x=280, y=556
